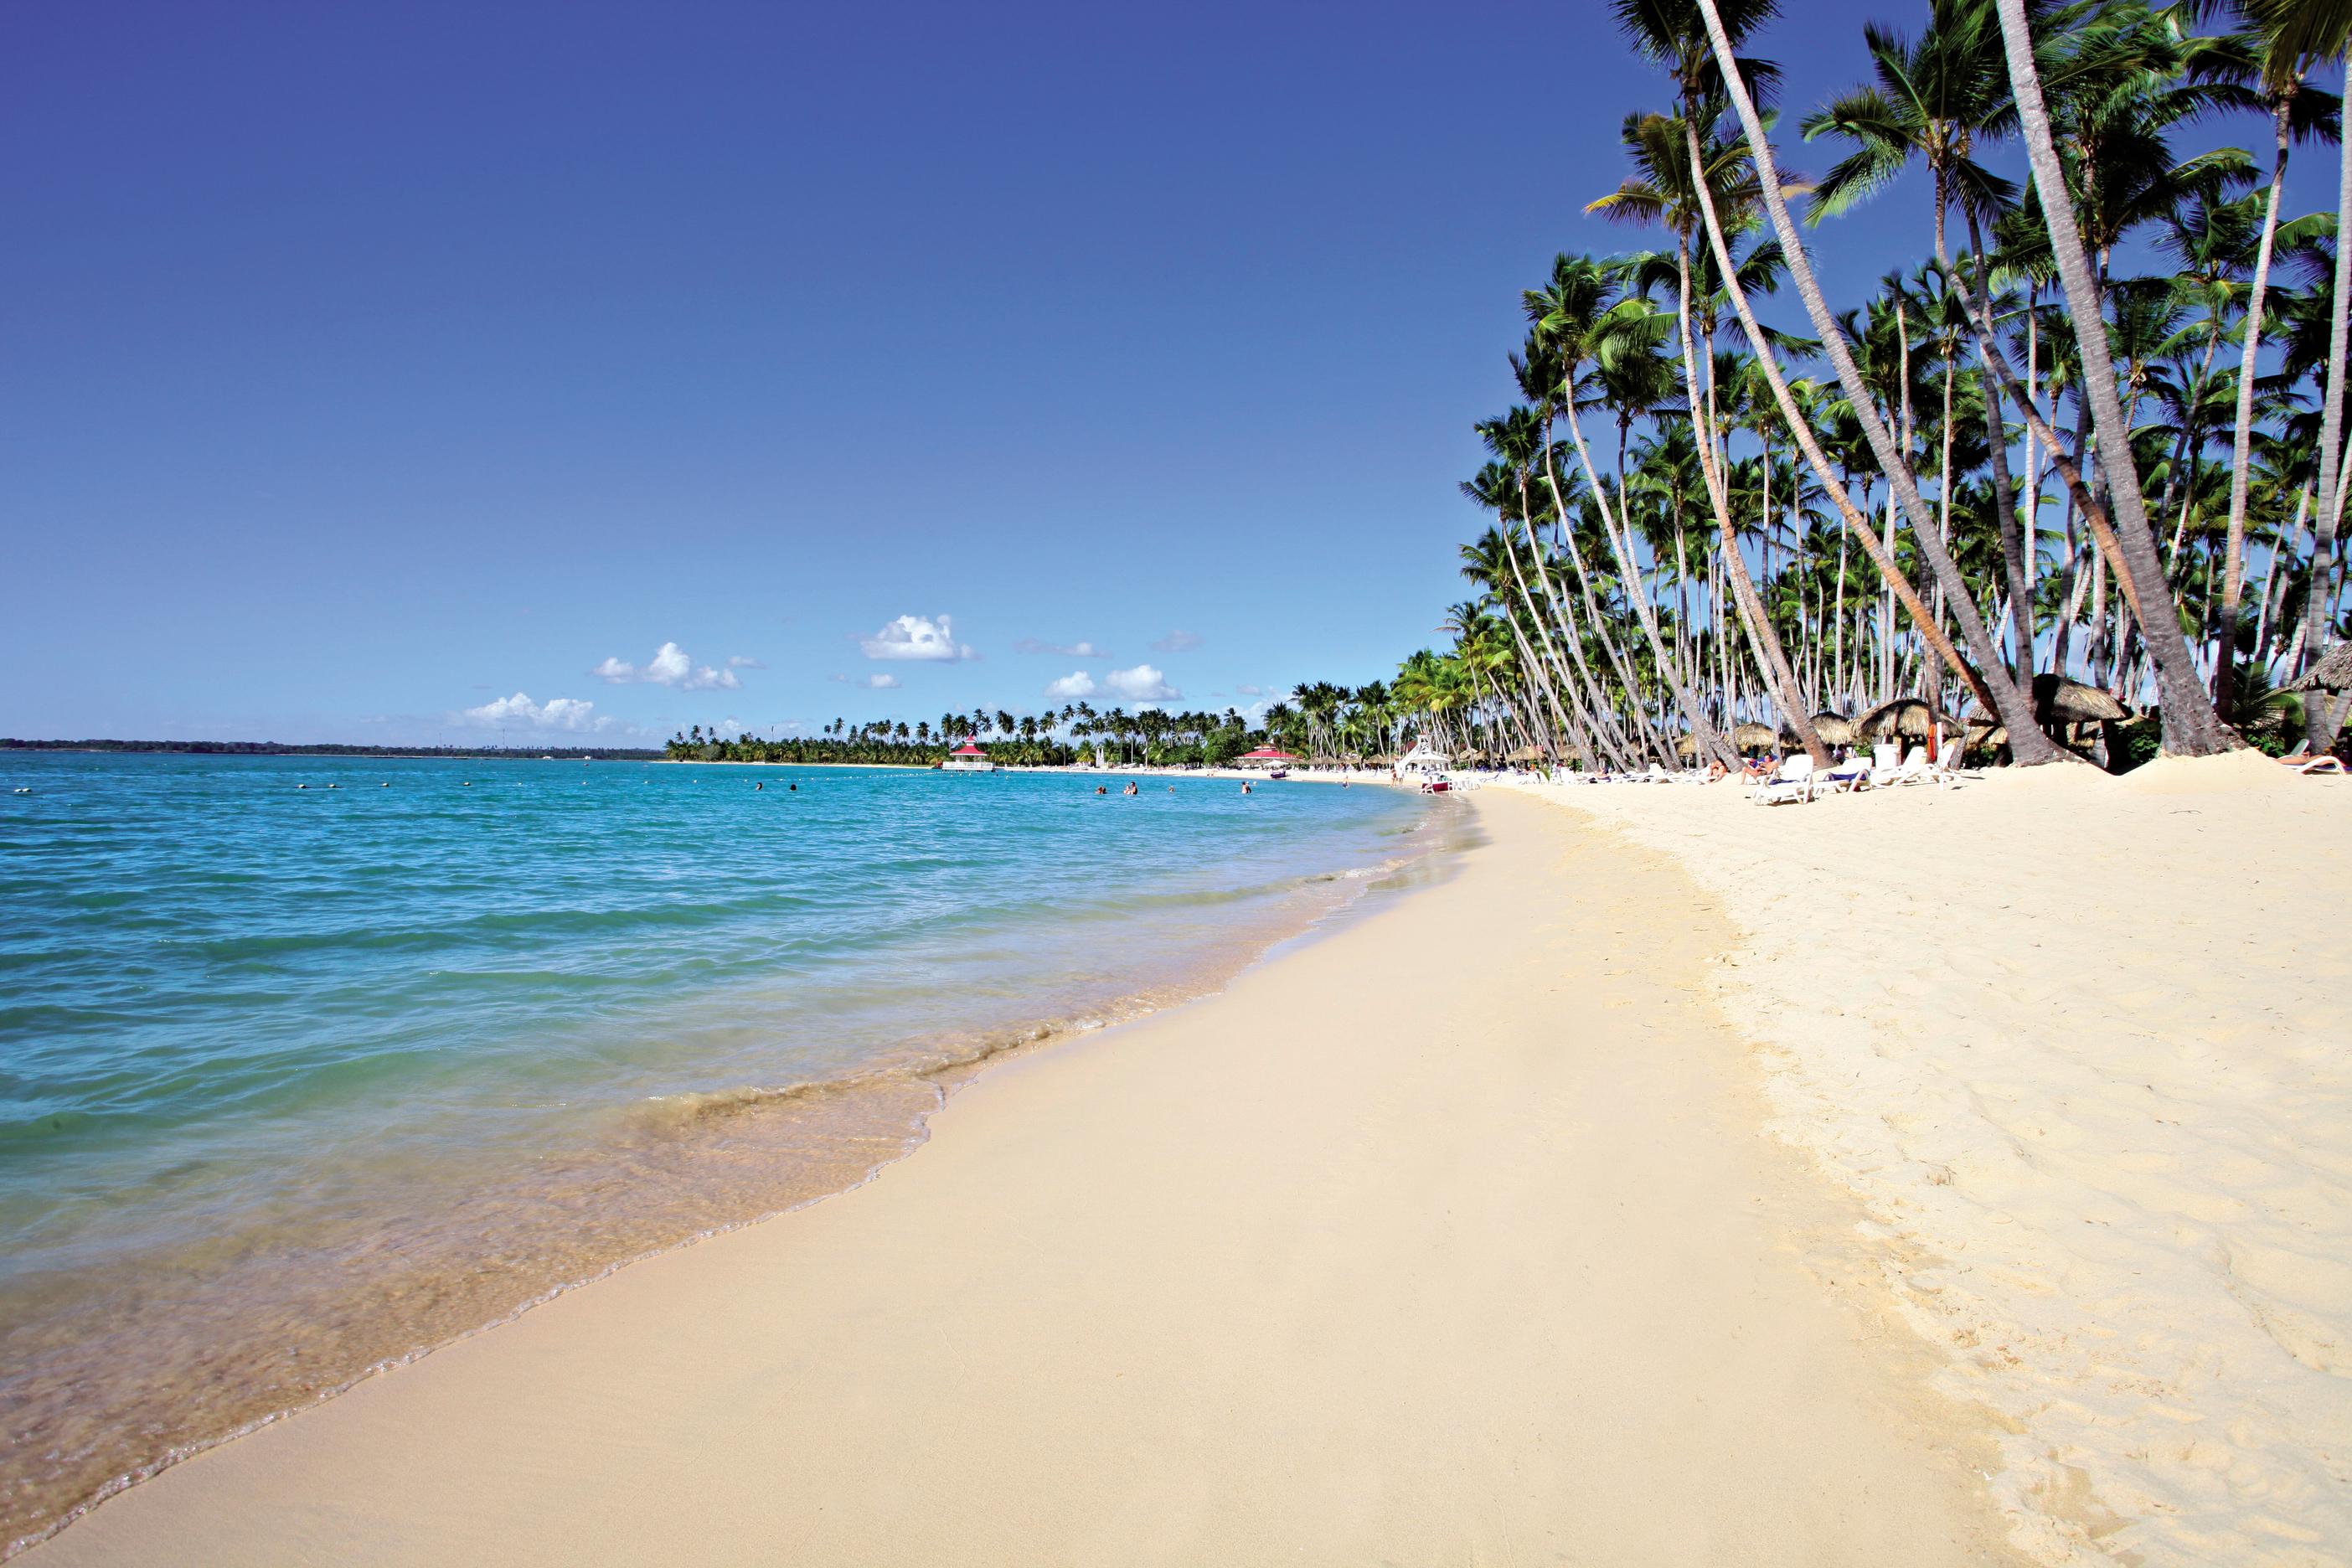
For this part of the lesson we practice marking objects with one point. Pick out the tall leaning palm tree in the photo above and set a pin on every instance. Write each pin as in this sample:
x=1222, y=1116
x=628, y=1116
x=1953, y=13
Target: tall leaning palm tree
x=2193, y=727
x=1992, y=683
x=2298, y=34
x=1571, y=317
x=1673, y=176
x=1936, y=101
x=2279, y=36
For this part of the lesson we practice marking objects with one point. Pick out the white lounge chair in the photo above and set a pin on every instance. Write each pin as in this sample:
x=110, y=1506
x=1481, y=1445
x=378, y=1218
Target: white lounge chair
x=1887, y=766
x=1792, y=781
x=1842, y=778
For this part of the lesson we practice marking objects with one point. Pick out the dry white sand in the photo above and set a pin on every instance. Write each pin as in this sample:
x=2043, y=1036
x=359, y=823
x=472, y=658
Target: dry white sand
x=2083, y=1046
x=1450, y=1238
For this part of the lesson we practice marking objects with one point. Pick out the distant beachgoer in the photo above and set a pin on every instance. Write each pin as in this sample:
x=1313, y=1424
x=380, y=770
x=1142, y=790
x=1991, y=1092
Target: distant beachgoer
x=1245, y=789
x=1716, y=770
x=1102, y=789
x=1171, y=789
x=761, y=784
x=1131, y=788
x=793, y=787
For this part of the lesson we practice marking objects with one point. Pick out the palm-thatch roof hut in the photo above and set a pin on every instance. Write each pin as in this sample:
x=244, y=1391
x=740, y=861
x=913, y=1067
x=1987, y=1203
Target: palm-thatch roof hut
x=1908, y=717
x=1835, y=729
x=1527, y=754
x=2058, y=701
x=1754, y=737
x=1686, y=745
x=2331, y=672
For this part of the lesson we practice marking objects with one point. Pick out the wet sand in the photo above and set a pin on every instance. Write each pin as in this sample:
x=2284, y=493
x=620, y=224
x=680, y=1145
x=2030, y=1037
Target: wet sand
x=1454, y=1236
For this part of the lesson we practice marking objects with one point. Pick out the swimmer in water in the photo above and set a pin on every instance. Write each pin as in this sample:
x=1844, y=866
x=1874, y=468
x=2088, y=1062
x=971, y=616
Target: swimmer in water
x=1245, y=789
x=760, y=785
x=1131, y=788
x=1102, y=789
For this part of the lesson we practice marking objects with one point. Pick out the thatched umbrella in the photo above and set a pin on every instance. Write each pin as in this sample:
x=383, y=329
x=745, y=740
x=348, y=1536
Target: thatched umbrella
x=1835, y=729
x=1527, y=754
x=2057, y=700
x=2332, y=672
x=1686, y=745
x=1988, y=737
x=1908, y=717
x=1755, y=737
x=1381, y=760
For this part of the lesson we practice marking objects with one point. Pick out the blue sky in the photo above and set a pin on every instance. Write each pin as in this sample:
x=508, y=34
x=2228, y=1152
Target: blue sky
x=369, y=364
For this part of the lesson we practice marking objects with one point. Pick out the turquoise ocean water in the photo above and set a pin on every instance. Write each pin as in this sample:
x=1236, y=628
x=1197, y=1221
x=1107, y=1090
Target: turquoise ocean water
x=309, y=1065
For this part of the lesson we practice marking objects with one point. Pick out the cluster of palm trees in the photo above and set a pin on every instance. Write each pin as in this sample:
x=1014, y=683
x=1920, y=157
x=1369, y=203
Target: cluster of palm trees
x=1111, y=736
x=2094, y=435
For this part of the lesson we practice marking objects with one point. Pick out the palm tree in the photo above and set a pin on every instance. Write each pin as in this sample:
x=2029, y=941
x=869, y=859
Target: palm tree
x=1992, y=685
x=1937, y=100
x=2295, y=113
x=1676, y=176
x=1577, y=322
x=2192, y=725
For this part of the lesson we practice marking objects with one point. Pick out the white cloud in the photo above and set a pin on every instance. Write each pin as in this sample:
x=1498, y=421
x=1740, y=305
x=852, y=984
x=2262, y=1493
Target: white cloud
x=1251, y=690
x=915, y=637
x=1075, y=684
x=1177, y=642
x=1060, y=649
x=880, y=682
x=519, y=711
x=1141, y=684
x=743, y=661
x=668, y=667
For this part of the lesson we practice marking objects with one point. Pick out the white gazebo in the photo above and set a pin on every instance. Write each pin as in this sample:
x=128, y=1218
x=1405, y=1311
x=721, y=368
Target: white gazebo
x=968, y=758
x=1423, y=758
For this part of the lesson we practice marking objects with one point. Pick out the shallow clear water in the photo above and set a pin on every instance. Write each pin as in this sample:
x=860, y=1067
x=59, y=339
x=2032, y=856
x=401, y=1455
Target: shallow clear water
x=306, y=1064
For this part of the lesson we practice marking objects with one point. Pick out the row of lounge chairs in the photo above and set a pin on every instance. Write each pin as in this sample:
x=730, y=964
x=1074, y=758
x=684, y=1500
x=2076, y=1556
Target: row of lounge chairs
x=1887, y=767
x=1796, y=778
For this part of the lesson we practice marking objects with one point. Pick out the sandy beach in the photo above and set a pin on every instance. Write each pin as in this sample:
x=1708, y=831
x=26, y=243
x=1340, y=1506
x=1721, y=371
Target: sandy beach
x=1454, y=1236
x=2083, y=1046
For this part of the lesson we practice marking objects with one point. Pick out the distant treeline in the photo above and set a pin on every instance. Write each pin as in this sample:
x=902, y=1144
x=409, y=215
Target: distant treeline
x=1077, y=733
x=277, y=748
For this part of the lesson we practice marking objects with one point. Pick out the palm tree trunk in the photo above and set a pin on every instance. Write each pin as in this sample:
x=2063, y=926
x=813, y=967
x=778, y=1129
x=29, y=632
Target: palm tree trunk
x=2008, y=703
x=1592, y=605
x=1595, y=699
x=2233, y=563
x=2329, y=508
x=2013, y=563
x=2191, y=727
x=1770, y=658
x=1707, y=743
x=1543, y=632
x=1991, y=684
